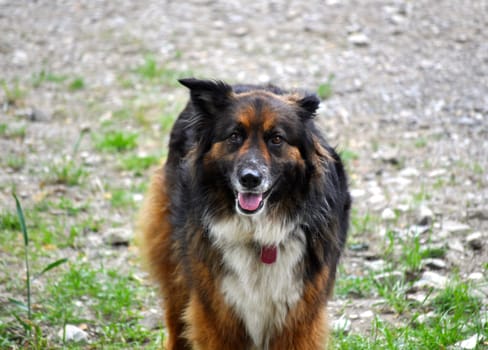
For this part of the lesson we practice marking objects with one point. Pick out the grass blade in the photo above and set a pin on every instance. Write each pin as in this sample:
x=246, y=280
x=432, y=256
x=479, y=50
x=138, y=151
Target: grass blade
x=23, y=227
x=25, y=323
x=52, y=266
x=21, y=305
x=20, y=214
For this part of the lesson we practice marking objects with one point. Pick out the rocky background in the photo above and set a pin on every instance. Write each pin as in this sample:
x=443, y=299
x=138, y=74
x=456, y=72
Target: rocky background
x=405, y=90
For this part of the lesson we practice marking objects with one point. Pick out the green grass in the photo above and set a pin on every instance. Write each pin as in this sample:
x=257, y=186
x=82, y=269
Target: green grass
x=420, y=143
x=455, y=316
x=354, y=286
x=77, y=84
x=43, y=76
x=106, y=302
x=66, y=172
x=440, y=319
x=121, y=198
x=325, y=89
x=138, y=164
x=348, y=157
x=159, y=73
x=116, y=141
x=9, y=221
x=15, y=162
x=8, y=132
x=14, y=93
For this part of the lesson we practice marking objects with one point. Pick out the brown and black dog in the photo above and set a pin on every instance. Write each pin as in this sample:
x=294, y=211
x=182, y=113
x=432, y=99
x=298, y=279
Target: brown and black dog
x=244, y=225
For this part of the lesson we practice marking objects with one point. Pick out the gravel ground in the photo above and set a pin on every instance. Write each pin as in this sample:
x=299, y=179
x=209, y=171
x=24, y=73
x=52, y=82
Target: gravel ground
x=409, y=102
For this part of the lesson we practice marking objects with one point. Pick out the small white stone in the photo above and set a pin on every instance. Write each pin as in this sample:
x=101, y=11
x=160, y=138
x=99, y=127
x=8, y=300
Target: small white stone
x=467, y=344
x=437, y=173
x=409, y=172
x=367, y=314
x=475, y=240
x=388, y=214
x=431, y=279
x=436, y=264
x=118, y=236
x=357, y=193
x=341, y=325
x=475, y=276
x=425, y=216
x=137, y=197
x=455, y=244
x=359, y=39
x=375, y=265
x=73, y=334
x=455, y=227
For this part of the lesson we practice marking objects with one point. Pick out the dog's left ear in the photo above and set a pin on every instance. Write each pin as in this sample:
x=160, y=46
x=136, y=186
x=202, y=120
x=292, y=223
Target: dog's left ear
x=308, y=106
x=208, y=95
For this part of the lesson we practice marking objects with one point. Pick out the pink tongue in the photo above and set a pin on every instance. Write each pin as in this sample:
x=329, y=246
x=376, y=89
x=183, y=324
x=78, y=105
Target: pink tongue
x=249, y=201
x=269, y=254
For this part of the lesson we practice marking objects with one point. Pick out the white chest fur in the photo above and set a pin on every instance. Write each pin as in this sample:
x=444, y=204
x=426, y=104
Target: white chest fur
x=261, y=294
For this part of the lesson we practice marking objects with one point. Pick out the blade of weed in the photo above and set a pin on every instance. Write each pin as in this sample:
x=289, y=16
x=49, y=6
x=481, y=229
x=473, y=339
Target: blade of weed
x=20, y=214
x=77, y=144
x=21, y=305
x=52, y=266
x=25, y=323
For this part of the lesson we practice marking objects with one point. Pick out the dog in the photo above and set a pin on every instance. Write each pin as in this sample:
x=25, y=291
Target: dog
x=244, y=225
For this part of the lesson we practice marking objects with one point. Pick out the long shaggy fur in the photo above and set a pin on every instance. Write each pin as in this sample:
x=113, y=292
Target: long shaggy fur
x=244, y=225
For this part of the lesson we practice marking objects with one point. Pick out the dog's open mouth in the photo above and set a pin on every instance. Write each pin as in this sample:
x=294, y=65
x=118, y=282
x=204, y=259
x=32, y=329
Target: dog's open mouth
x=250, y=203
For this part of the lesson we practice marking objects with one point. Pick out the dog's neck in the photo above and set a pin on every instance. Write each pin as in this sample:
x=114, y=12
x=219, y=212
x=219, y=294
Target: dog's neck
x=261, y=294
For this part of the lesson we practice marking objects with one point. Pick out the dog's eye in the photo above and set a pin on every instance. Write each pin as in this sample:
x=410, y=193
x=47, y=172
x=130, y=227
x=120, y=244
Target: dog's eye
x=276, y=140
x=235, y=138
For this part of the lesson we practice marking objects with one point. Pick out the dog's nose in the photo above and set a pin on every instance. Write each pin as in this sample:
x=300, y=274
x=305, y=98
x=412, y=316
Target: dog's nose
x=250, y=178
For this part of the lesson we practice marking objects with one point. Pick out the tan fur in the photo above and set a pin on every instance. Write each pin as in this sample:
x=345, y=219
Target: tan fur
x=157, y=251
x=305, y=327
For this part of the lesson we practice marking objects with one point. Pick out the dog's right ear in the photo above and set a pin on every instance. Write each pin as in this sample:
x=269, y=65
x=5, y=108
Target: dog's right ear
x=208, y=95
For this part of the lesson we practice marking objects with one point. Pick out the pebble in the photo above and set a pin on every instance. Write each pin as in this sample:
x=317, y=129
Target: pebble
x=475, y=240
x=416, y=230
x=475, y=276
x=431, y=279
x=409, y=172
x=387, y=155
x=73, y=334
x=437, y=173
x=359, y=39
x=455, y=244
x=480, y=213
x=118, y=236
x=357, y=193
x=424, y=317
x=388, y=214
x=151, y=319
x=342, y=325
x=32, y=114
x=366, y=314
x=425, y=216
x=467, y=344
x=20, y=58
x=434, y=264
x=375, y=265
x=455, y=227
x=240, y=31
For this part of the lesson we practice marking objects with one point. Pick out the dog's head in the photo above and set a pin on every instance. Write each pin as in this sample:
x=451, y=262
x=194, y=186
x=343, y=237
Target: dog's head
x=254, y=144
